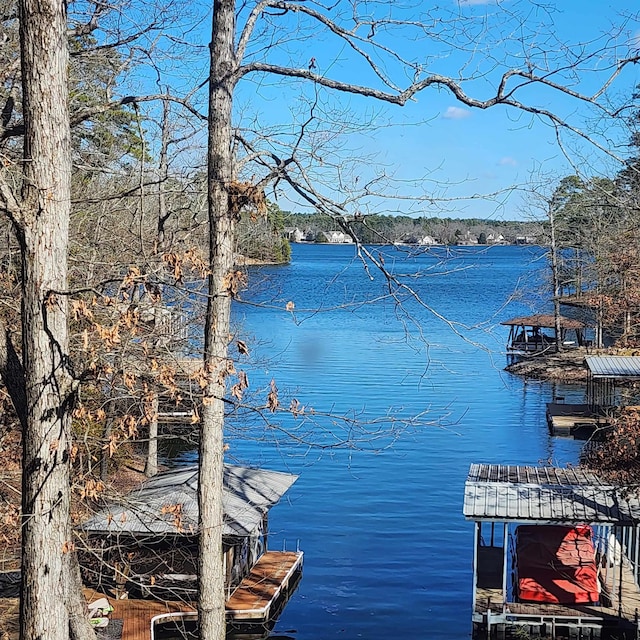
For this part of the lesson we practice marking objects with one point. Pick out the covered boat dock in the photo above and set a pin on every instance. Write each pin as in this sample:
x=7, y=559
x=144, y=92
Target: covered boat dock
x=142, y=549
x=607, y=379
x=592, y=595
x=537, y=333
x=607, y=375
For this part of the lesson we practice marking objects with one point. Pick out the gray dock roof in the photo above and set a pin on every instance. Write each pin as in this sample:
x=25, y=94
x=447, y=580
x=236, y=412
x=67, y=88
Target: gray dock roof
x=168, y=503
x=503, y=493
x=614, y=366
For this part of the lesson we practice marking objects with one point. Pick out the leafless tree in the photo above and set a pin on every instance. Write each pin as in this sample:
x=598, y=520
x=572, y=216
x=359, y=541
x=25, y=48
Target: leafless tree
x=267, y=39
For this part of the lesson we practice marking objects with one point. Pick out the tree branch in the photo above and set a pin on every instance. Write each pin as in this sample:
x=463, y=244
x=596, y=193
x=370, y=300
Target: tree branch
x=82, y=115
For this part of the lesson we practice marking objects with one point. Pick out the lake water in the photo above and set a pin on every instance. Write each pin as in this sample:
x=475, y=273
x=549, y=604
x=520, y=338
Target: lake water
x=398, y=403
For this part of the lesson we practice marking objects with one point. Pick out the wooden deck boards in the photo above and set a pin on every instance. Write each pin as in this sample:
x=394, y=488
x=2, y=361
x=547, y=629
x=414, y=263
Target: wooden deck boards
x=259, y=590
x=252, y=600
x=136, y=615
x=492, y=599
x=568, y=419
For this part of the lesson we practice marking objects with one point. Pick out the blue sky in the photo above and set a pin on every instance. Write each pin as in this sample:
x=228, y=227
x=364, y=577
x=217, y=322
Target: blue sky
x=436, y=156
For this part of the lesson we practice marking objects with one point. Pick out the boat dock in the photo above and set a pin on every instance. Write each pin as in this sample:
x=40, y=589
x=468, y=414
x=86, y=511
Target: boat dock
x=500, y=499
x=254, y=603
x=271, y=579
x=590, y=619
x=579, y=421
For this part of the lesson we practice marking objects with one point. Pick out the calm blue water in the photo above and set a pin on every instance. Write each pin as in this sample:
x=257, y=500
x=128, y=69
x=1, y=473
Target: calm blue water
x=387, y=550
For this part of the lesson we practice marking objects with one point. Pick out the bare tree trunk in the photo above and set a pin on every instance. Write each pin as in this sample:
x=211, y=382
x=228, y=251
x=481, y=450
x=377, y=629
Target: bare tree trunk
x=12, y=373
x=104, y=455
x=163, y=170
x=79, y=626
x=221, y=238
x=556, y=280
x=43, y=230
x=151, y=463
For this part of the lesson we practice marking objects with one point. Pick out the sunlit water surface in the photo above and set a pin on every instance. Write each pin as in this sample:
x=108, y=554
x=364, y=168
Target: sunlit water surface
x=388, y=553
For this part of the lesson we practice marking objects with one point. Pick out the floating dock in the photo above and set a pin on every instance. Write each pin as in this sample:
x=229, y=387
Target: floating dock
x=579, y=421
x=257, y=597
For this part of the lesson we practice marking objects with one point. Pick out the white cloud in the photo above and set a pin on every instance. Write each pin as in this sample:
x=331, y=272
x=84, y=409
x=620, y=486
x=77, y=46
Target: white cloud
x=456, y=113
x=508, y=161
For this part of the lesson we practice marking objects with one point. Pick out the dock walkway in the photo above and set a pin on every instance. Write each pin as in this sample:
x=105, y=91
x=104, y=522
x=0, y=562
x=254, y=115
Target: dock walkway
x=260, y=591
x=253, y=601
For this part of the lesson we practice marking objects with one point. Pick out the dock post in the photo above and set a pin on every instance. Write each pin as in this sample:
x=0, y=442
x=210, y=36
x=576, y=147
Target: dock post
x=477, y=529
x=505, y=549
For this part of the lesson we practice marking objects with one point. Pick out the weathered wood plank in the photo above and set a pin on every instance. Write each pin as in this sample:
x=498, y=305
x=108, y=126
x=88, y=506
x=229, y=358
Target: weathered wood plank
x=257, y=593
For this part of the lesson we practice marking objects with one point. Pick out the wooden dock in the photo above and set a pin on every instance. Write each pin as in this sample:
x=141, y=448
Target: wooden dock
x=254, y=601
x=257, y=599
x=578, y=421
x=269, y=580
x=136, y=615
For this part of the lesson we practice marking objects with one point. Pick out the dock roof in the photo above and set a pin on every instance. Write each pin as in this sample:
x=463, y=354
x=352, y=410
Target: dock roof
x=544, y=321
x=614, y=366
x=168, y=503
x=504, y=493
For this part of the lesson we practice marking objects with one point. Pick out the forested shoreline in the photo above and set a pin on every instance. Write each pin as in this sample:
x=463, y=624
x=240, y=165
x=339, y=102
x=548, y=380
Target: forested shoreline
x=392, y=229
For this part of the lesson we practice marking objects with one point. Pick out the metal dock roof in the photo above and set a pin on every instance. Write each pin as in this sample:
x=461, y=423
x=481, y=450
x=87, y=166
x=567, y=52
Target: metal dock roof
x=614, y=366
x=168, y=503
x=503, y=493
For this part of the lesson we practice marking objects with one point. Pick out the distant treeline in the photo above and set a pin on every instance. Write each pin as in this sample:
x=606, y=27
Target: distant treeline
x=380, y=229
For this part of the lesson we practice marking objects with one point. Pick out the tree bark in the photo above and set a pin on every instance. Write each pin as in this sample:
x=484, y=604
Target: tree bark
x=151, y=463
x=79, y=626
x=211, y=599
x=47, y=546
x=163, y=170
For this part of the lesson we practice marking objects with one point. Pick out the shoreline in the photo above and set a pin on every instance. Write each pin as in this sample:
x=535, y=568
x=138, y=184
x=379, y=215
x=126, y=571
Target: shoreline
x=566, y=366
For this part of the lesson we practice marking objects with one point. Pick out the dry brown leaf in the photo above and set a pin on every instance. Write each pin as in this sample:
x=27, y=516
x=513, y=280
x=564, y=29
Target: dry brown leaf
x=242, y=348
x=272, y=398
x=68, y=547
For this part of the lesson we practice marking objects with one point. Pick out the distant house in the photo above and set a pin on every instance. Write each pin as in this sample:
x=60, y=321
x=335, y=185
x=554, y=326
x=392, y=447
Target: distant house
x=466, y=238
x=526, y=240
x=335, y=237
x=496, y=238
x=293, y=234
x=427, y=241
x=146, y=544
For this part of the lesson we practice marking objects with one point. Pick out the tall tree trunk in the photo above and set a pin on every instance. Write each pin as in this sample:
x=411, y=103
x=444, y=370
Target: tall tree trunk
x=43, y=233
x=79, y=626
x=221, y=239
x=163, y=171
x=556, y=280
x=106, y=435
x=151, y=463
